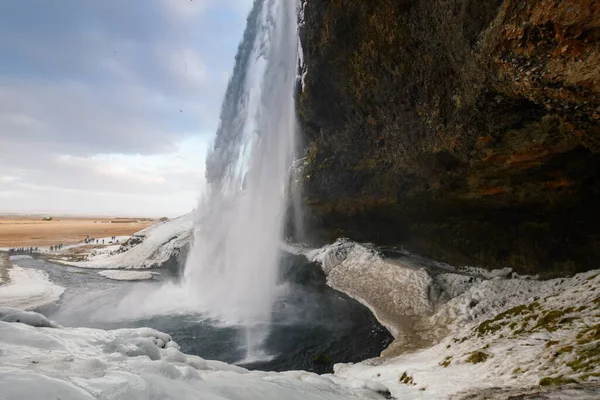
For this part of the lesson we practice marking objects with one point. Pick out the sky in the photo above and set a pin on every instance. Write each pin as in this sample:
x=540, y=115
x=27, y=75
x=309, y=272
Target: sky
x=108, y=107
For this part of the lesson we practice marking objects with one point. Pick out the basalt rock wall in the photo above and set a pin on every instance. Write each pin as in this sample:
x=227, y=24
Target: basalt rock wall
x=467, y=131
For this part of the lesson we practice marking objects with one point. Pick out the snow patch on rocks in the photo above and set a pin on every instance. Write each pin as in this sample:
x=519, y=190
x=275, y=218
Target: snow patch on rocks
x=149, y=248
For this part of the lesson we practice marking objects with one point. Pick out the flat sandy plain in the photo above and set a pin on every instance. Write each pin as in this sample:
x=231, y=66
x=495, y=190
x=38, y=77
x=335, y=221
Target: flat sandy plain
x=32, y=231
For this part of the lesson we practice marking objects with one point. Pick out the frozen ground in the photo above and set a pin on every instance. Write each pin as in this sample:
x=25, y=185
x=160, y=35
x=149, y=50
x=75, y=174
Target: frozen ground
x=148, y=248
x=127, y=275
x=70, y=364
x=403, y=291
x=28, y=289
x=489, y=330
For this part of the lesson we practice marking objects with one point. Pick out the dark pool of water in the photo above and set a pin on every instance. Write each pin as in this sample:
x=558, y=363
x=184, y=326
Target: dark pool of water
x=309, y=319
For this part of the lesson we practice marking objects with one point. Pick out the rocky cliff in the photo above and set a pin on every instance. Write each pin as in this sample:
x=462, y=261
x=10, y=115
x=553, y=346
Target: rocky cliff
x=465, y=130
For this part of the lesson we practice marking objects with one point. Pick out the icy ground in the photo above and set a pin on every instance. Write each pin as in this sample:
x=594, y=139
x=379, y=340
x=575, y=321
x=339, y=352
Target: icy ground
x=127, y=275
x=471, y=331
x=28, y=289
x=69, y=364
x=150, y=247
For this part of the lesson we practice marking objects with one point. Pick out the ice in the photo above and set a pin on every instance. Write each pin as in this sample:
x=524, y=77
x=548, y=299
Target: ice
x=80, y=363
x=28, y=289
x=148, y=248
x=127, y=275
x=20, y=257
x=399, y=292
x=26, y=317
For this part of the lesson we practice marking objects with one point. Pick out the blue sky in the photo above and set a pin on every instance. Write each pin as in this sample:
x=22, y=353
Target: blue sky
x=109, y=106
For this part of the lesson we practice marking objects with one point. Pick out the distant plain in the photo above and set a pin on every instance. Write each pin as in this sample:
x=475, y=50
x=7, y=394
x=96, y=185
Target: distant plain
x=33, y=231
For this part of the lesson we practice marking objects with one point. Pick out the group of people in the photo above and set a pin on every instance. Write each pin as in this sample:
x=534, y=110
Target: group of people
x=89, y=240
x=33, y=250
x=23, y=250
x=56, y=247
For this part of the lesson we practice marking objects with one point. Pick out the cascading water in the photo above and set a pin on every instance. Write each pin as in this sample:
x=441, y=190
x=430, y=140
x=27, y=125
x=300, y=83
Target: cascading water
x=232, y=270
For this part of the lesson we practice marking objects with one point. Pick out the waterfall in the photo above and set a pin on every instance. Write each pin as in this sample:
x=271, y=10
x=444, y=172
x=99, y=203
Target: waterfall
x=231, y=272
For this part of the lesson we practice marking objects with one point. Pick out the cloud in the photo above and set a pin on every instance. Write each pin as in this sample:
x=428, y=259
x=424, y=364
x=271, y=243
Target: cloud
x=111, y=98
x=184, y=9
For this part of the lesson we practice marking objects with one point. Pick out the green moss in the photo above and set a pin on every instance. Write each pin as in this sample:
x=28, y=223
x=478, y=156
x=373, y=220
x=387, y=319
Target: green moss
x=564, y=350
x=591, y=278
x=407, y=379
x=477, y=357
x=549, y=320
x=548, y=381
x=322, y=358
x=551, y=343
x=568, y=320
x=446, y=362
x=585, y=377
x=326, y=163
x=587, y=358
x=311, y=153
x=589, y=334
x=495, y=324
x=488, y=326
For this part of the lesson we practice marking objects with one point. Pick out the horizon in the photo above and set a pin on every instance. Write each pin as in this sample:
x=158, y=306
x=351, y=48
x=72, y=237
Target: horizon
x=76, y=215
x=118, y=117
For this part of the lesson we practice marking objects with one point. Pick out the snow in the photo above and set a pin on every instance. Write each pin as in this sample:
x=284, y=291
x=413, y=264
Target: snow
x=399, y=292
x=127, y=275
x=28, y=289
x=521, y=347
x=442, y=315
x=69, y=363
x=157, y=244
x=20, y=257
x=26, y=317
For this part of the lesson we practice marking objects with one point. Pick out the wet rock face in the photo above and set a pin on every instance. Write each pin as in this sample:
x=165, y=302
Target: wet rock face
x=468, y=131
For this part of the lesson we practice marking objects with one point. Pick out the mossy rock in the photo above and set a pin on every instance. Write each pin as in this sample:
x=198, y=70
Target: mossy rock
x=477, y=357
x=322, y=359
x=556, y=381
x=464, y=114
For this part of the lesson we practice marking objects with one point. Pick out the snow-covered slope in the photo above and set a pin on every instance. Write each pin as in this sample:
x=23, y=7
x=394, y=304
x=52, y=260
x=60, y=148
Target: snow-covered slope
x=401, y=292
x=467, y=332
x=28, y=289
x=148, y=248
x=72, y=364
